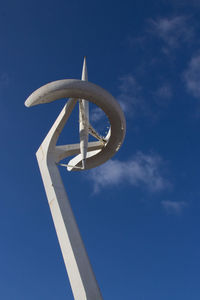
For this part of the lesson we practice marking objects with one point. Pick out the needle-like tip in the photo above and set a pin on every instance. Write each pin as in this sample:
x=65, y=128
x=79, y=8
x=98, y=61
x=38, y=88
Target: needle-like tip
x=84, y=70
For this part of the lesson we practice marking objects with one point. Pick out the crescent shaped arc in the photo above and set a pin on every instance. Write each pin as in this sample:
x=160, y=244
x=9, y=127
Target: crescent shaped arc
x=78, y=89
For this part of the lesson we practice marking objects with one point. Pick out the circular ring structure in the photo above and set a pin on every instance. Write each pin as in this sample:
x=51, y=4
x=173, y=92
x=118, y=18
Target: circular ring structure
x=79, y=89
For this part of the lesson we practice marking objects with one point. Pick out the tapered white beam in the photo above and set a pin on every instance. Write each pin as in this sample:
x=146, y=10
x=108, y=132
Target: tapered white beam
x=83, y=283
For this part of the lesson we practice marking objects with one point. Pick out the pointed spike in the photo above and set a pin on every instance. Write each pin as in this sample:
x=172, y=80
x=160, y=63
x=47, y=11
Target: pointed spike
x=84, y=70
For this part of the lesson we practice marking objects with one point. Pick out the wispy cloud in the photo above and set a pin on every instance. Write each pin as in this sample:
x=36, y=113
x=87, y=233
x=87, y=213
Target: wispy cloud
x=96, y=114
x=143, y=170
x=173, y=207
x=192, y=76
x=163, y=94
x=172, y=31
x=130, y=95
x=137, y=101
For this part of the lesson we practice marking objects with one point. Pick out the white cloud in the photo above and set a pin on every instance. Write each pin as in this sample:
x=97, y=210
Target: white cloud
x=127, y=83
x=144, y=170
x=128, y=98
x=130, y=94
x=96, y=114
x=173, y=207
x=192, y=76
x=135, y=102
x=172, y=31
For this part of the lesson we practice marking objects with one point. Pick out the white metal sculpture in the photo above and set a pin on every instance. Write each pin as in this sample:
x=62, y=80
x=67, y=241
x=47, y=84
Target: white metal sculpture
x=88, y=155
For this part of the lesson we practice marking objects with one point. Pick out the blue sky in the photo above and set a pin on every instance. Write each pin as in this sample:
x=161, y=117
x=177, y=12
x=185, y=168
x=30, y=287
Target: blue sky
x=140, y=218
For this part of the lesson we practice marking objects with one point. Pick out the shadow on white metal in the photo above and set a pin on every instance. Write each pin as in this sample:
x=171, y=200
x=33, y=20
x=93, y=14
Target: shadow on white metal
x=87, y=155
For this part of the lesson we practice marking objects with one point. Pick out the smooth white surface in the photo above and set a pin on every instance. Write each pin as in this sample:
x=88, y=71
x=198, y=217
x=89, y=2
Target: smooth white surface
x=79, y=89
x=80, y=273
x=81, y=276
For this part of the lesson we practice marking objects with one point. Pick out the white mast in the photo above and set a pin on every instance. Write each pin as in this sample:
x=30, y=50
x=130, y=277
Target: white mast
x=84, y=119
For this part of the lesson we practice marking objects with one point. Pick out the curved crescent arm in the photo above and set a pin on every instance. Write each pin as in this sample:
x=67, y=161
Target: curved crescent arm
x=81, y=276
x=78, y=89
